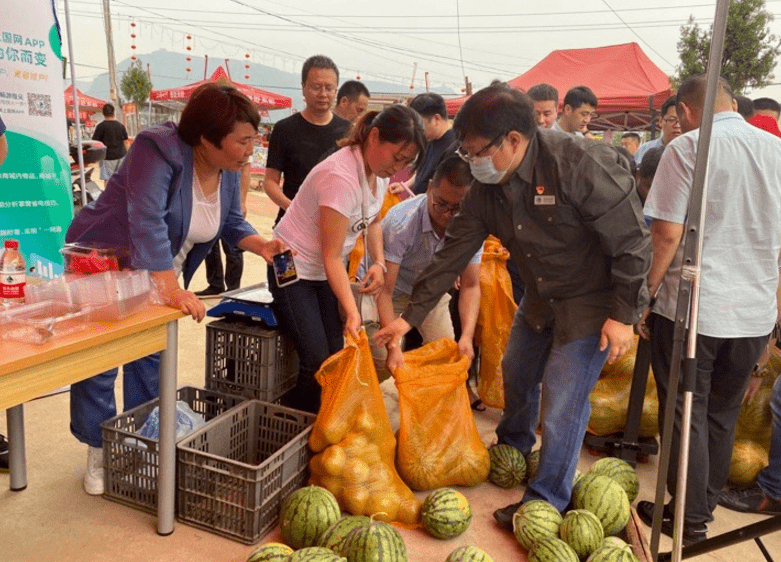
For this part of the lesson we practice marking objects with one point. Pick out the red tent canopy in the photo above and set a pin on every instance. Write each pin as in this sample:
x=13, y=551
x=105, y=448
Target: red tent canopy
x=622, y=77
x=85, y=102
x=262, y=98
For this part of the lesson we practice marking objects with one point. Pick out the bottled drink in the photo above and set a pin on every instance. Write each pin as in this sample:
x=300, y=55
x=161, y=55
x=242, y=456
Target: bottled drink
x=12, y=273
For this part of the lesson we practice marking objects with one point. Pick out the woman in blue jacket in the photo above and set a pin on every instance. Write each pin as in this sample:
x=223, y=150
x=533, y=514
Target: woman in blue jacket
x=176, y=193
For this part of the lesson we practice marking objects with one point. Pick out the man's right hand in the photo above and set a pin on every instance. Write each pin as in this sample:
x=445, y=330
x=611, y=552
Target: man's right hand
x=395, y=358
x=392, y=333
x=396, y=188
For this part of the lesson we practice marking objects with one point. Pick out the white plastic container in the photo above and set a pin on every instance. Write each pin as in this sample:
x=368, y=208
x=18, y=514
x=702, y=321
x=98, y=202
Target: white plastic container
x=43, y=321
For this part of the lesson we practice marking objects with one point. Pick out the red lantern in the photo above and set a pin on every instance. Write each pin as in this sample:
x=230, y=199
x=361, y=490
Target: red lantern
x=189, y=37
x=133, y=35
x=132, y=24
x=132, y=57
x=189, y=48
x=246, y=55
x=188, y=69
x=188, y=59
x=246, y=77
x=358, y=77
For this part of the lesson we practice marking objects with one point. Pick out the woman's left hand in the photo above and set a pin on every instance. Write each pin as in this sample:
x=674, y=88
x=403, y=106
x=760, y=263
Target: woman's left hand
x=271, y=248
x=373, y=282
x=187, y=302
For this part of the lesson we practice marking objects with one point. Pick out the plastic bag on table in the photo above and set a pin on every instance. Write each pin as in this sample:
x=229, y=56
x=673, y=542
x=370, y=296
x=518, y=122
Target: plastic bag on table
x=494, y=321
x=353, y=440
x=439, y=444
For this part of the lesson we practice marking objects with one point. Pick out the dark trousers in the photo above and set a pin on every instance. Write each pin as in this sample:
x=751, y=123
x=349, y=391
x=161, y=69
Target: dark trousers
x=234, y=267
x=309, y=312
x=723, y=369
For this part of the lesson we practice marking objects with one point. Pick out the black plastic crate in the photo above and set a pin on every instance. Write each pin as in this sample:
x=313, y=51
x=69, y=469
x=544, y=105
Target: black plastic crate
x=245, y=359
x=131, y=461
x=234, y=473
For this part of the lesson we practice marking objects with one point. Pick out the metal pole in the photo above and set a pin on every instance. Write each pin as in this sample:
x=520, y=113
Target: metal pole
x=690, y=280
x=112, y=64
x=77, y=119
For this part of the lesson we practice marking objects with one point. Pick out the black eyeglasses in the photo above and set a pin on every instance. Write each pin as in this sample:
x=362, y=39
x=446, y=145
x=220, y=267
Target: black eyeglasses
x=464, y=155
x=445, y=208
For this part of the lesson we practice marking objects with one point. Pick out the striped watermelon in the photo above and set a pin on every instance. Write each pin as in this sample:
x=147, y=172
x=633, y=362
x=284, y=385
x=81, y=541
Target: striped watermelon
x=306, y=514
x=534, y=520
x=551, y=549
x=334, y=537
x=615, y=542
x=446, y=513
x=582, y=530
x=620, y=471
x=315, y=554
x=606, y=499
x=469, y=554
x=532, y=464
x=508, y=467
x=271, y=552
x=375, y=542
x=612, y=554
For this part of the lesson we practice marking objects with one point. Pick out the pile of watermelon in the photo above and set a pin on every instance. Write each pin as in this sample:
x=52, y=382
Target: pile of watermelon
x=602, y=509
x=314, y=531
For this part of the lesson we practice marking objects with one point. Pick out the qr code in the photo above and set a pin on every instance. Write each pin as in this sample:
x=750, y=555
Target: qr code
x=39, y=104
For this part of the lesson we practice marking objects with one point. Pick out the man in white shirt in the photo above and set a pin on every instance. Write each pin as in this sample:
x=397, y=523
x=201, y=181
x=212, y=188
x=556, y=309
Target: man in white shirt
x=739, y=280
x=580, y=103
x=668, y=125
x=546, y=104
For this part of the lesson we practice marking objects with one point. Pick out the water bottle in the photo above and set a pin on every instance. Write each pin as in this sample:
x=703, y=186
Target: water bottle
x=12, y=274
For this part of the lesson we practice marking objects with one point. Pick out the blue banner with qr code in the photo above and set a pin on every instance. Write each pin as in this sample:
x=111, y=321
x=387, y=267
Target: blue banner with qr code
x=36, y=204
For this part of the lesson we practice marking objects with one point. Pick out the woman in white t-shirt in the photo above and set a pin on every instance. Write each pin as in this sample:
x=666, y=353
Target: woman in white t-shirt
x=339, y=198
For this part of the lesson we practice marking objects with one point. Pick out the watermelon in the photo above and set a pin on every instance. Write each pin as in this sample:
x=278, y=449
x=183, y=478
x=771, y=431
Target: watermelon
x=606, y=499
x=615, y=542
x=508, y=467
x=551, y=549
x=334, y=537
x=534, y=520
x=315, y=554
x=271, y=552
x=469, y=554
x=620, y=471
x=446, y=513
x=532, y=464
x=582, y=530
x=375, y=542
x=612, y=554
x=307, y=514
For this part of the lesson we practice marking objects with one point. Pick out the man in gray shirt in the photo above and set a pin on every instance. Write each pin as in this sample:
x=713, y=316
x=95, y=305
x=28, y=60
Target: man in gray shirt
x=739, y=268
x=569, y=214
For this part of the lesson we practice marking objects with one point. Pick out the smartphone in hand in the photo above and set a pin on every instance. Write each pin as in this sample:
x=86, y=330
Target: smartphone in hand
x=285, y=268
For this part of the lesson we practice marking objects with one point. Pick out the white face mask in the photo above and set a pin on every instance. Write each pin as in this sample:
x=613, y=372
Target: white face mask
x=484, y=171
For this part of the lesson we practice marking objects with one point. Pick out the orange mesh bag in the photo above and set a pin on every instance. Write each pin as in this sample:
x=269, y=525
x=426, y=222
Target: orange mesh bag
x=353, y=440
x=494, y=321
x=439, y=444
x=356, y=255
x=610, y=398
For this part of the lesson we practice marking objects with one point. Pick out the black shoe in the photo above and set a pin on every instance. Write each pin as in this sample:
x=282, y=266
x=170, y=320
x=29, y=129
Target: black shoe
x=3, y=454
x=750, y=500
x=692, y=532
x=504, y=516
x=208, y=292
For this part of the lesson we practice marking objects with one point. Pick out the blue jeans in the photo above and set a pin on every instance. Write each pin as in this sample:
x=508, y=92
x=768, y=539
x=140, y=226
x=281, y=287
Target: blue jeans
x=769, y=479
x=567, y=374
x=309, y=312
x=92, y=400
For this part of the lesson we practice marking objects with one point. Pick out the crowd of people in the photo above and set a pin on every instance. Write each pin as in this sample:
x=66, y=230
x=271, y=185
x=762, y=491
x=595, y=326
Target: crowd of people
x=594, y=234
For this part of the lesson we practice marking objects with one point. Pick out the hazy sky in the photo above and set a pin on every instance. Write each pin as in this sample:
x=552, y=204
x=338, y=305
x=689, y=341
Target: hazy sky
x=383, y=40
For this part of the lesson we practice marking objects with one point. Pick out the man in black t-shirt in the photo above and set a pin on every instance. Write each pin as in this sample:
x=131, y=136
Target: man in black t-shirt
x=298, y=142
x=432, y=109
x=113, y=134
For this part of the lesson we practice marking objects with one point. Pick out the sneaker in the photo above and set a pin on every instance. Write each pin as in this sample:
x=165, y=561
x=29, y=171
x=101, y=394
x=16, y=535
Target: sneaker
x=93, y=477
x=3, y=454
x=504, y=516
x=749, y=500
x=692, y=532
